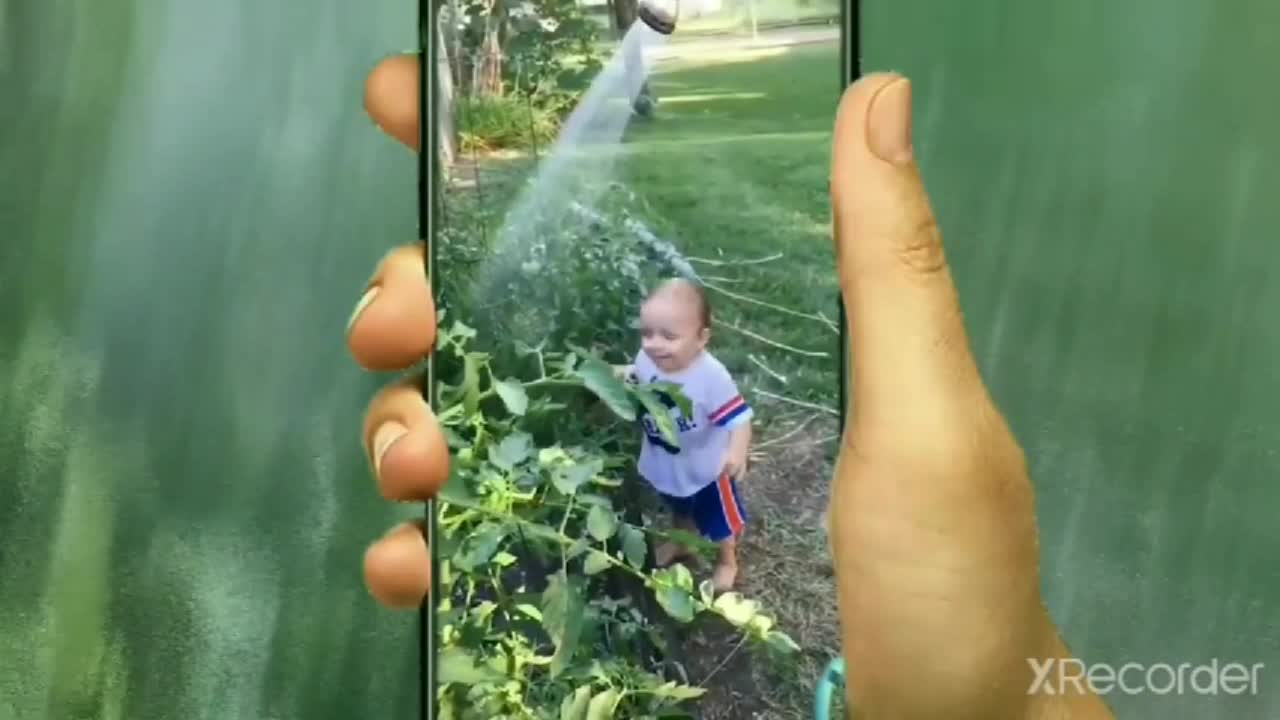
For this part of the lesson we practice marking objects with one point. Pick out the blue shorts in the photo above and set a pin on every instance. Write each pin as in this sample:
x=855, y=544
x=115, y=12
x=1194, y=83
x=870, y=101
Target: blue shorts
x=716, y=509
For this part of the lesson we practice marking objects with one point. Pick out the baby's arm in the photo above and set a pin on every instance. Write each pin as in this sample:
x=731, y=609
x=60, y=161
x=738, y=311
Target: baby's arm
x=732, y=413
x=740, y=438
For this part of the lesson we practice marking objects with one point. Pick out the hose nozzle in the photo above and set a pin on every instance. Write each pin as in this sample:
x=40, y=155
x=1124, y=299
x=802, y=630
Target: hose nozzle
x=659, y=19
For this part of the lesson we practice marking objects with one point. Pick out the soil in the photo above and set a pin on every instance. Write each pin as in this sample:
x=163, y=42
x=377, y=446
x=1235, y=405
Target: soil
x=786, y=565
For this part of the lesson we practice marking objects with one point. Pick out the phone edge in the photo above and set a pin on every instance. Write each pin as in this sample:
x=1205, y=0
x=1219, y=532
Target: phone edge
x=428, y=177
x=850, y=71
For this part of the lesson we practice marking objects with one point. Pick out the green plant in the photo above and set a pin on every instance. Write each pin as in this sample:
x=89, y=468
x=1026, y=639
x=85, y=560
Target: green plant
x=544, y=49
x=566, y=274
x=504, y=122
x=548, y=605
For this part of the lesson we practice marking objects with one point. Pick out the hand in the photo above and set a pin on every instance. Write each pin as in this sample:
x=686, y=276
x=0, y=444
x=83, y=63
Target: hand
x=393, y=328
x=735, y=463
x=932, y=514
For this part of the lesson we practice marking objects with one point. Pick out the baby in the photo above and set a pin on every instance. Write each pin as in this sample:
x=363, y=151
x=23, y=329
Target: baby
x=698, y=479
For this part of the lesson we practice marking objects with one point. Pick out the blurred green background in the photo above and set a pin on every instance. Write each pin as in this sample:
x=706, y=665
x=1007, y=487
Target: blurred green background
x=191, y=199
x=1107, y=175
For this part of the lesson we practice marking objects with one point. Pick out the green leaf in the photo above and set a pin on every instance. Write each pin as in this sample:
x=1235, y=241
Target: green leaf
x=461, y=331
x=523, y=348
x=760, y=625
x=594, y=499
x=678, y=692
x=691, y=540
x=603, y=704
x=677, y=575
x=676, y=393
x=456, y=487
x=552, y=456
x=707, y=591
x=660, y=414
x=471, y=382
x=455, y=665
x=562, y=617
x=596, y=562
x=513, y=450
x=676, y=601
x=598, y=377
x=479, y=546
x=569, y=478
x=530, y=610
x=453, y=439
x=574, y=706
x=781, y=641
x=601, y=523
x=513, y=395
x=578, y=547
x=504, y=559
x=634, y=547
x=737, y=609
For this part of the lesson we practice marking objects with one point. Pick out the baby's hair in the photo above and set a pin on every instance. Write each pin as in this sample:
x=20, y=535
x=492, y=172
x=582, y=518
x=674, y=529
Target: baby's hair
x=704, y=305
x=699, y=292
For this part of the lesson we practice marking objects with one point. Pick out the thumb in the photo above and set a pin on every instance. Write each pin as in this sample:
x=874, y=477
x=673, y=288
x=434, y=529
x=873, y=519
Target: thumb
x=910, y=359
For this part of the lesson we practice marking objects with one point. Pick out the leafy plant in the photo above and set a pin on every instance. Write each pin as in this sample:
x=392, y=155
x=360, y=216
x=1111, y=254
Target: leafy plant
x=499, y=122
x=544, y=49
x=563, y=275
x=549, y=607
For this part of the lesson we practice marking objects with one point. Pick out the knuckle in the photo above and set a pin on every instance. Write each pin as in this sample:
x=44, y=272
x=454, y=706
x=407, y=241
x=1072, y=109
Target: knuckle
x=920, y=250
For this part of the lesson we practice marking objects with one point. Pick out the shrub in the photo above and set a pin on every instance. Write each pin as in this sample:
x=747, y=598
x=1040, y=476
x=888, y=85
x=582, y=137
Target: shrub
x=572, y=276
x=504, y=122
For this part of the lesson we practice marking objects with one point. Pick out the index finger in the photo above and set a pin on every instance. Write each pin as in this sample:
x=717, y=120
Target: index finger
x=391, y=97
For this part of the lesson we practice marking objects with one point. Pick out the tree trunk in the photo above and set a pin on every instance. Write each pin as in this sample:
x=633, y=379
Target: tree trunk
x=624, y=13
x=488, y=68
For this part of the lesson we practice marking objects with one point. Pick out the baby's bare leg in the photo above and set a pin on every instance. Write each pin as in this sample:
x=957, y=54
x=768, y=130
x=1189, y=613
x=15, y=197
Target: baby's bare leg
x=726, y=572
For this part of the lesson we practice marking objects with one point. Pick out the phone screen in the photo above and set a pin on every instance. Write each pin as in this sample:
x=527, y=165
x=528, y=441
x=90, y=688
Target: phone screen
x=639, y=366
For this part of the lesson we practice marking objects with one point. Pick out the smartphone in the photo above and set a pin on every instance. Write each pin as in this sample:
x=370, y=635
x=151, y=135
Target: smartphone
x=640, y=362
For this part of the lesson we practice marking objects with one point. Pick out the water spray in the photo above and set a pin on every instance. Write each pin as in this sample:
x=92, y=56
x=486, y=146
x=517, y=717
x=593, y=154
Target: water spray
x=658, y=18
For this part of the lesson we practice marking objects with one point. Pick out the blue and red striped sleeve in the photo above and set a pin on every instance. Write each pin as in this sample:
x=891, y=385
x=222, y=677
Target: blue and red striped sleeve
x=730, y=413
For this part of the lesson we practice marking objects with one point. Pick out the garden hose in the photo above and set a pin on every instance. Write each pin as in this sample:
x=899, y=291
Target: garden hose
x=832, y=680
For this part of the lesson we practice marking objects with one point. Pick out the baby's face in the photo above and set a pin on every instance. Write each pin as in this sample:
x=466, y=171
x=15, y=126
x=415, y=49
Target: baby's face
x=671, y=331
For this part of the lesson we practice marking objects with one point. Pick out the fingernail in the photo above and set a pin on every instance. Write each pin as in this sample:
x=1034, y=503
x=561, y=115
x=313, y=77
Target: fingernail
x=889, y=122
x=384, y=438
x=368, y=298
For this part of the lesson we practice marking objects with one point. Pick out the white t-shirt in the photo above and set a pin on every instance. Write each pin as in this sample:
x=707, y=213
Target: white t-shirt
x=718, y=407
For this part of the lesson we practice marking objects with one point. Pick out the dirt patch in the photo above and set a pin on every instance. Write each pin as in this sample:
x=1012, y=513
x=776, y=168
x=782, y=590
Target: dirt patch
x=786, y=565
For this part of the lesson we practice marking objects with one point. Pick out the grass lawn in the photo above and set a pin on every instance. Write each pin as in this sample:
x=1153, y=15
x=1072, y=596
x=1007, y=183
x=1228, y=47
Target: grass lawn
x=734, y=167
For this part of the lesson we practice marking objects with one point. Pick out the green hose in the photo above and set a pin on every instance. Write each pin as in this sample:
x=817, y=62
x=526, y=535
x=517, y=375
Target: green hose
x=832, y=680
